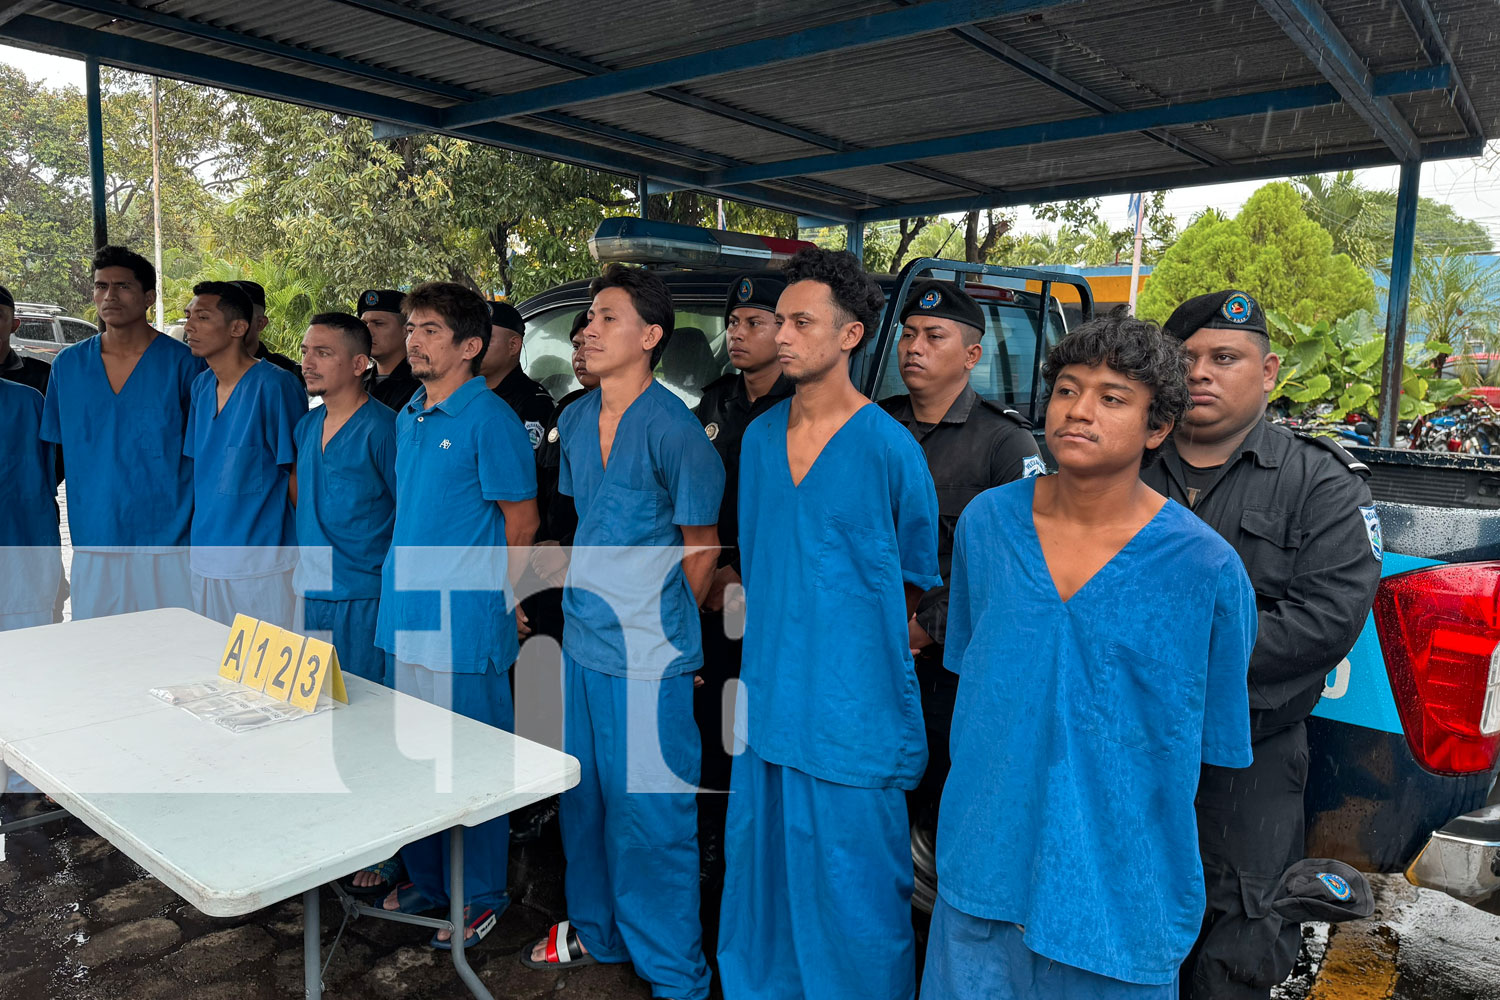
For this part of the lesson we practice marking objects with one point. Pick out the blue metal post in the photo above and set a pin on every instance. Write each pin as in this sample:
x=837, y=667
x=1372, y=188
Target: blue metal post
x=96, y=150
x=1391, y=366
x=855, y=243
x=643, y=193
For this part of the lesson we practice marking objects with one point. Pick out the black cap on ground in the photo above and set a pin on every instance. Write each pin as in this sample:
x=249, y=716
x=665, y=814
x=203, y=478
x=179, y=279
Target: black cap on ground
x=944, y=300
x=758, y=290
x=379, y=300
x=1322, y=889
x=507, y=316
x=1227, y=310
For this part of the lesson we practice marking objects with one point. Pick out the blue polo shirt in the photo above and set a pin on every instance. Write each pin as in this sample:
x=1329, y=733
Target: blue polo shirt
x=30, y=563
x=243, y=457
x=346, y=503
x=453, y=462
x=628, y=610
x=830, y=687
x=130, y=484
x=1079, y=730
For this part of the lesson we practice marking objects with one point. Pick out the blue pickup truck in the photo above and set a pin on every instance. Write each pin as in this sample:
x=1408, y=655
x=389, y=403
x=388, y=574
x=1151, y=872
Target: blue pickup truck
x=1405, y=742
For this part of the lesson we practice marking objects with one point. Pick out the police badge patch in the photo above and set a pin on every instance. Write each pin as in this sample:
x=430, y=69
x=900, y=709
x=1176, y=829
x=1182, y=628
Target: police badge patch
x=712, y=430
x=371, y=297
x=930, y=299
x=534, y=432
x=1032, y=466
x=1237, y=308
x=552, y=436
x=1372, y=528
x=1336, y=885
x=743, y=292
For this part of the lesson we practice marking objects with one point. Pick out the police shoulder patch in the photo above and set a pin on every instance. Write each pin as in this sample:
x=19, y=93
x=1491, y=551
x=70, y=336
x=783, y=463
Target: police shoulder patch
x=534, y=433
x=1372, y=528
x=1033, y=466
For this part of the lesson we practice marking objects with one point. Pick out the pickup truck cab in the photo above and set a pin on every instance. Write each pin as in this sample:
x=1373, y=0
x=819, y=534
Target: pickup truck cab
x=1405, y=742
x=45, y=330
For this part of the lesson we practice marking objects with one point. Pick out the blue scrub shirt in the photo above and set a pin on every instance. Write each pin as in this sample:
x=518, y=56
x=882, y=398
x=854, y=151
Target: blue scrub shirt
x=1079, y=730
x=130, y=483
x=830, y=686
x=243, y=456
x=346, y=503
x=453, y=462
x=628, y=610
x=30, y=563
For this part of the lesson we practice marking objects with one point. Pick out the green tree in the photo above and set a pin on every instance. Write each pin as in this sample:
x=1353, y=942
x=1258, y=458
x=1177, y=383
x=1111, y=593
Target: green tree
x=1362, y=221
x=1271, y=250
x=1455, y=300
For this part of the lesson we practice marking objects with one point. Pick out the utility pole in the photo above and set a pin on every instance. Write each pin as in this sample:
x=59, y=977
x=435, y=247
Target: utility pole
x=1135, y=264
x=161, y=299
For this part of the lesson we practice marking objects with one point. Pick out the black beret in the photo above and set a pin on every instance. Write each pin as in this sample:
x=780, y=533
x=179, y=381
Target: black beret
x=253, y=292
x=1322, y=889
x=6, y=299
x=1230, y=310
x=757, y=290
x=386, y=300
x=945, y=300
x=503, y=314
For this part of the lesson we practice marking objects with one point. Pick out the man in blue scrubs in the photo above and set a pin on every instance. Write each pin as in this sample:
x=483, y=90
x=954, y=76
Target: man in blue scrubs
x=240, y=437
x=838, y=539
x=647, y=485
x=118, y=404
x=30, y=543
x=346, y=493
x=465, y=497
x=1101, y=634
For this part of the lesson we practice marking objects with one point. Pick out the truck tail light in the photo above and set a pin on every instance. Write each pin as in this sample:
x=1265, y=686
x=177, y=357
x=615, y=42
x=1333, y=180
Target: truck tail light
x=1439, y=629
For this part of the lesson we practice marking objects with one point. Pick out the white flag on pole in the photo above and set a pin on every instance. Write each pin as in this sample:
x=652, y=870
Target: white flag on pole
x=1135, y=213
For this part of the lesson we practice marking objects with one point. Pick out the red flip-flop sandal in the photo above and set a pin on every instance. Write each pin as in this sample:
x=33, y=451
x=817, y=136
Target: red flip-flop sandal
x=563, y=948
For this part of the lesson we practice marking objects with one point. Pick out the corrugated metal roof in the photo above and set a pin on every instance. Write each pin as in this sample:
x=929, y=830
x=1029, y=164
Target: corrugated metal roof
x=406, y=60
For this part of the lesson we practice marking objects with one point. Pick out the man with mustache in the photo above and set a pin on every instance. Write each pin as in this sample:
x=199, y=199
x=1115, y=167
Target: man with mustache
x=1100, y=633
x=1297, y=510
x=971, y=444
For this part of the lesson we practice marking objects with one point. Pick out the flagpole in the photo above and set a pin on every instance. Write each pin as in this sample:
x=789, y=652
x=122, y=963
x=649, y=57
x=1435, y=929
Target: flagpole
x=1135, y=263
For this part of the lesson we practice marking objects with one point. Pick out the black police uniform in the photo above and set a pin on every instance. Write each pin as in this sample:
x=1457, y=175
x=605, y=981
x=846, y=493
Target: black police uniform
x=396, y=389
x=530, y=401
x=26, y=371
x=1298, y=512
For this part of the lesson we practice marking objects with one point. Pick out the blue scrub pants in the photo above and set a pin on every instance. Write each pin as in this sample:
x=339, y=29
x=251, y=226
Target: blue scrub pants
x=971, y=958
x=817, y=889
x=351, y=625
x=27, y=619
x=268, y=598
x=483, y=697
x=118, y=583
x=632, y=876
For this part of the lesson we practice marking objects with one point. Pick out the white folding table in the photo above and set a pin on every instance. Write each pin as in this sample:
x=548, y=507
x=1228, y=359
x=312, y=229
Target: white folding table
x=234, y=822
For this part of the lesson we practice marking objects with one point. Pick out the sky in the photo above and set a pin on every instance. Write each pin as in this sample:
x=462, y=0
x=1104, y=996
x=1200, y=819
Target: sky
x=1471, y=186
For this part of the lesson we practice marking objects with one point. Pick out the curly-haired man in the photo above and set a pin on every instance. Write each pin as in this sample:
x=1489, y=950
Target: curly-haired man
x=1101, y=635
x=838, y=538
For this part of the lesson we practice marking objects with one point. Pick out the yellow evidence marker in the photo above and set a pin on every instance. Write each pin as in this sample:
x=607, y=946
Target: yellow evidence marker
x=285, y=655
x=258, y=658
x=319, y=663
x=232, y=662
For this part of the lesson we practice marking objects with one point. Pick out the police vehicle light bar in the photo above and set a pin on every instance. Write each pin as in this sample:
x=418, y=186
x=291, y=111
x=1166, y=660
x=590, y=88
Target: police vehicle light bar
x=631, y=240
x=34, y=308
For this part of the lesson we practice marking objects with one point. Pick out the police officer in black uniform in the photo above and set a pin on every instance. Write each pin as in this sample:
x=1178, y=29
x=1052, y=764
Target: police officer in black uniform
x=391, y=380
x=258, y=323
x=1297, y=510
x=559, y=518
x=971, y=444
x=501, y=368
x=32, y=372
x=728, y=405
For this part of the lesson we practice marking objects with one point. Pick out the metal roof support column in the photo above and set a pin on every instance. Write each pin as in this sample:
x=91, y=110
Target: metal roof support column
x=96, y=150
x=643, y=194
x=855, y=241
x=1392, y=364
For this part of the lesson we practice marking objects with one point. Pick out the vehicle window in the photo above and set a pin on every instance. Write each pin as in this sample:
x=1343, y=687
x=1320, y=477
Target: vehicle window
x=38, y=330
x=695, y=356
x=1005, y=370
x=74, y=330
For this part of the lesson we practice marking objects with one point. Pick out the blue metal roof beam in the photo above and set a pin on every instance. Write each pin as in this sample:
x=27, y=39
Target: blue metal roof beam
x=198, y=29
x=1046, y=75
x=161, y=60
x=1425, y=22
x=504, y=43
x=1240, y=105
x=927, y=18
x=1313, y=31
x=1192, y=177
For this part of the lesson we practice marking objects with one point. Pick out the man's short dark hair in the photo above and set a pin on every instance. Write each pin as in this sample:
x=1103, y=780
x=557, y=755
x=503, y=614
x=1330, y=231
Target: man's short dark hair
x=856, y=296
x=113, y=256
x=352, y=327
x=648, y=294
x=1135, y=348
x=253, y=290
x=464, y=310
x=233, y=303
